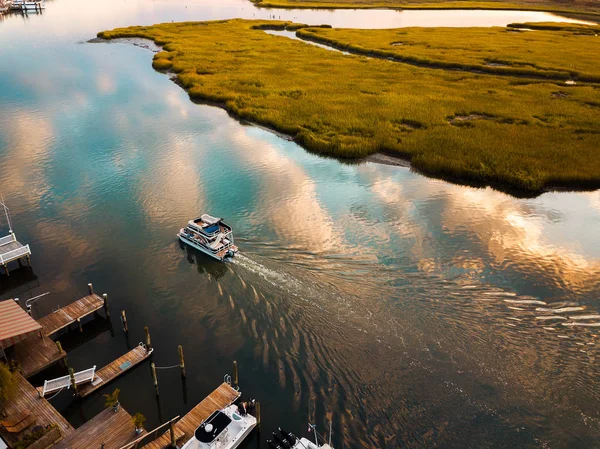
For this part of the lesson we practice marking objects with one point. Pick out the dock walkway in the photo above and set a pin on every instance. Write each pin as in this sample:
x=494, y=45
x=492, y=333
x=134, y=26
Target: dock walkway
x=115, y=368
x=70, y=314
x=34, y=354
x=114, y=429
x=220, y=398
x=27, y=398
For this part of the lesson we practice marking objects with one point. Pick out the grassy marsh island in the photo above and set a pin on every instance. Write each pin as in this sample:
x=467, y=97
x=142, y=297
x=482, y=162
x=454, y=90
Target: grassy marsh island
x=554, y=51
x=513, y=133
x=559, y=6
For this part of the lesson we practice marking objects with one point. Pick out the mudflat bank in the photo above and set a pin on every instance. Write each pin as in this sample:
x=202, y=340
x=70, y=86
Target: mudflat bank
x=477, y=129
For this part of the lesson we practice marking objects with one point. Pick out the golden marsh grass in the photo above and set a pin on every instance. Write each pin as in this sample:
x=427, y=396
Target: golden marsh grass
x=504, y=131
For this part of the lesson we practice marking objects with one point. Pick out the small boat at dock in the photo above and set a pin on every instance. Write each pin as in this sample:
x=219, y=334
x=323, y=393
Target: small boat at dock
x=224, y=429
x=210, y=235
x=287, y=440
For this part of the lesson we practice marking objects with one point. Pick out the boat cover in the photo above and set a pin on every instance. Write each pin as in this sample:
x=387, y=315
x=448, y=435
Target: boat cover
x=210, y=220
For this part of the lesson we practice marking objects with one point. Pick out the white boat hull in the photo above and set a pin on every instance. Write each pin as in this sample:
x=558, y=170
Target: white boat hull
x=202, y=249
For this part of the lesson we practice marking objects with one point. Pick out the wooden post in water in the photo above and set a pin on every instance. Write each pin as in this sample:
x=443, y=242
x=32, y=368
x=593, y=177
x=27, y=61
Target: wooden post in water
x=124, y=321
x=154, y=378
x=106, y=308
x=73, y=383
x=257, y=412
x=60, y=349
x=148, y=341
x=79, y=323
x=172, y=432
x=91, y=288
x=235, y=373
x=6, y=270
x=181, y=360
x=28, y=260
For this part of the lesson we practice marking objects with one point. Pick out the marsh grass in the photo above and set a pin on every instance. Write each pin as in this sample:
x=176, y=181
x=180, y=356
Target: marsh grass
x=553, y=51
x=590, y=7
x=353, y=106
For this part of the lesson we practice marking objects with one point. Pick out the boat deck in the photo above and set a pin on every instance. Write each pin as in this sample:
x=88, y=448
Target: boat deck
x=70, y=314
x=220, y=398
x=34, y=354
x=113, y=429
x=115, y=368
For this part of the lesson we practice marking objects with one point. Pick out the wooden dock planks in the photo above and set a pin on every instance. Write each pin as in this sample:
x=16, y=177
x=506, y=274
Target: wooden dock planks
x=164, y=441
x=114, y=429
x=220, y=398
x=34, y=354
x=70, y=314
x=27, y=398
x=114, y=369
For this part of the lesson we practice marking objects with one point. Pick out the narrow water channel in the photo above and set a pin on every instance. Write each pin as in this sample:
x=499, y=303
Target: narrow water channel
x=409, y=311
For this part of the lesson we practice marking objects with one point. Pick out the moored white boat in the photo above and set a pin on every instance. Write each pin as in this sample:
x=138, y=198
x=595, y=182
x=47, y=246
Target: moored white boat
x=210, y=235
x=224, y=429
x=287, y=440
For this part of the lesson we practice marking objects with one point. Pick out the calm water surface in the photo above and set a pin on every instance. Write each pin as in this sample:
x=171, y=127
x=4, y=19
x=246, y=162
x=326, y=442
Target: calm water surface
x=410, y=311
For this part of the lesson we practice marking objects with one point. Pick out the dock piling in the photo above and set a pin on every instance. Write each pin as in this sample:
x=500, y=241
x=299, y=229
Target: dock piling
x=181, y=360
x=257, y=411
x=106, y=308
x=73, y=383
x=154, y=378
x=124, y=321
x=148, y=341
x=172, y=432
x=60, y=349
x=235, y=373
x=79, y=323
x=91, y=288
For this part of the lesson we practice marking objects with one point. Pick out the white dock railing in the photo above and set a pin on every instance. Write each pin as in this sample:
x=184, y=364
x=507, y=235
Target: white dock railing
x=8, y=239
x=65, y=381
x=14, y=254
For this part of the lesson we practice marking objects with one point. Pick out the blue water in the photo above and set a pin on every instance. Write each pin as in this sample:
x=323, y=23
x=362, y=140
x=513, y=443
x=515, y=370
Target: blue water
x=408, y=310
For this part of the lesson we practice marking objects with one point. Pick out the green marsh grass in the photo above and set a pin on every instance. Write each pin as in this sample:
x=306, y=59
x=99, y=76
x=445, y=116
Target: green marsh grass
x=508, y=132
x=554, y=52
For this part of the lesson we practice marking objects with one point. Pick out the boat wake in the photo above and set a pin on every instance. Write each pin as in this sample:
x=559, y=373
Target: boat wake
x=273, y=277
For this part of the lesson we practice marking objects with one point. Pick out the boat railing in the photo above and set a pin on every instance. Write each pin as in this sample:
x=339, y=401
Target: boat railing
x=14, y=254
x=8, y=239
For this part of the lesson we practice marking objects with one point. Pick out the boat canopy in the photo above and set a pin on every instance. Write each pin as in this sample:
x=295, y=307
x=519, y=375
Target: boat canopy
x=209, y=219
x=210, y=429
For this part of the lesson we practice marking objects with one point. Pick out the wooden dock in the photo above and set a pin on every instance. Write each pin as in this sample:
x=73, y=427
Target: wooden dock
x=11, y=249
x=114, y=369
x=35, y=353
x=223, y=396
x=73, y=313
x=114, y=429
x=27, y=398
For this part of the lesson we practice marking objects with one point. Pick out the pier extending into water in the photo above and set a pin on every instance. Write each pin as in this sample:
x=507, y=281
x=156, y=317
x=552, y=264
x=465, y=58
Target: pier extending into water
x=220, y=398
x=115, y=368
x=74, y=312
x=11, y=249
